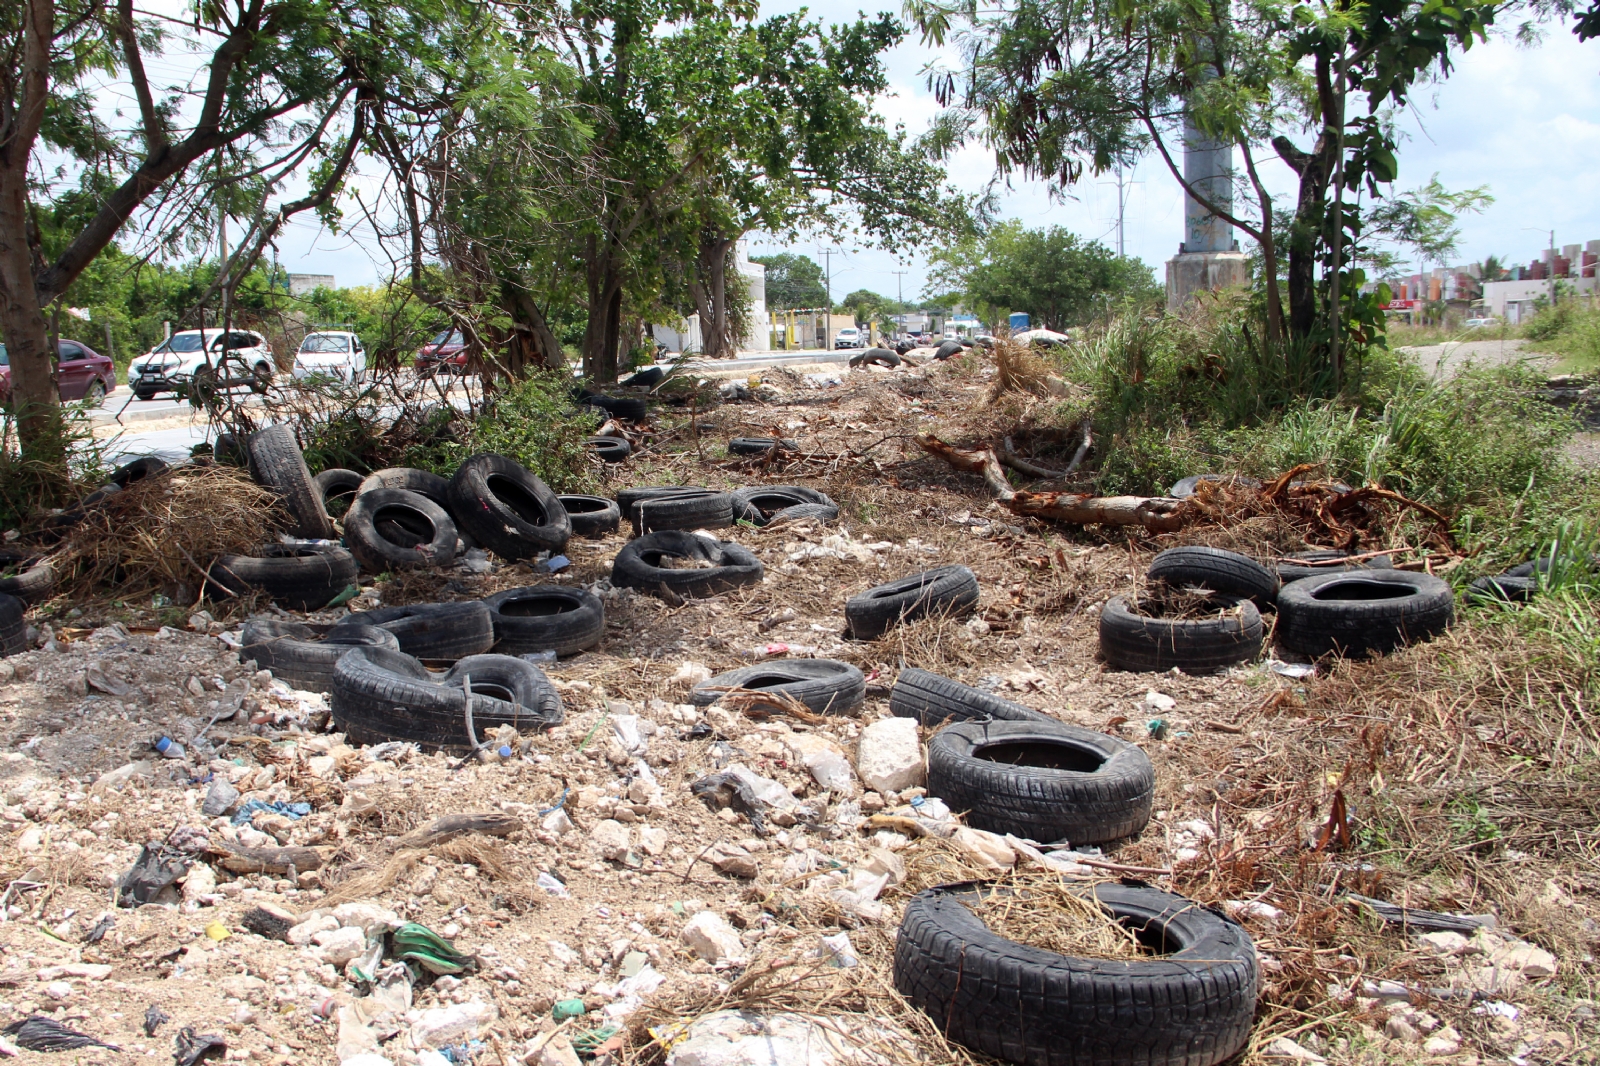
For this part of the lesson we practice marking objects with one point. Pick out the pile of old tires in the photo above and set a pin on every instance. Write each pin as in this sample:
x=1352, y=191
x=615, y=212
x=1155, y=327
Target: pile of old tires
x=1325, y=602
x=1016, y=771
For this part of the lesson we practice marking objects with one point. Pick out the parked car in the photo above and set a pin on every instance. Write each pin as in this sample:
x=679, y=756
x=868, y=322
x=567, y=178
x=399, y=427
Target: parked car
x=447, y=352
x=81, y=373
x=1481, y=323
x=236, y=355
x=849, y=337
x=332, y=354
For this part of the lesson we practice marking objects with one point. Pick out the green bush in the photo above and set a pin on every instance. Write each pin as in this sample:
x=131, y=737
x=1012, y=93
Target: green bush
x=534, y=422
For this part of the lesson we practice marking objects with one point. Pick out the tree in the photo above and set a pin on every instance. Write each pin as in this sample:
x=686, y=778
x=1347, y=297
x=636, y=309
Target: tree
x=284, y=84
x=1050, y=273
x=793, y=281
x=1424, y=219
x=1060, y=87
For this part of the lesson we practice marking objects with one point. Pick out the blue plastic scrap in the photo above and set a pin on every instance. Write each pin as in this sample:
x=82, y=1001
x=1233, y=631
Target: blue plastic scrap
x=248, y=809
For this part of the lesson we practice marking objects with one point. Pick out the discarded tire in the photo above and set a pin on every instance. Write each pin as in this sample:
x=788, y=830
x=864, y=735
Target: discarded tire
x=628, y=497
x=610, y=449
x=422, y=482
x=1304, y=564
x=507, y=509
x=338, y=488
x=379, y=694
x=766, y=504
x=303, y=656
x=760, y=445
x=32, y=580
x=951, y=590
x=1132, y=641
x=555, y=618
x=394, y=529
x=228, y=449
x=1046, y=781
x=13, y=627
x=138, y=470
x=667, y=561
x=1354, y=613
x=948, y=349
x=823, y=685
x=1192, y=1005
x=1184, y=488
x=1220, y=571
x=1502, y=588
x=649, y=377
x=688, y=510
x=276, y=462
x=627, y=408
x=933, y=700
x=297, y=577
x=591, y=516
x=877, y=357
x=440, y=631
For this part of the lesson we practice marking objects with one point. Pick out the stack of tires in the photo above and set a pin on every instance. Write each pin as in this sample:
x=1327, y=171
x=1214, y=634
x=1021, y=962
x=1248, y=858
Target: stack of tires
x=1013, y=770
x=1133, y=640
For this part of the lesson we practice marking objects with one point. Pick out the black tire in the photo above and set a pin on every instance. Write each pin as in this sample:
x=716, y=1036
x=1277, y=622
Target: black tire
x=1191, y=1006
x=276, y=462
x=228, y=449
x=1529, y=568
x=649, y=377
x=933, y=700
x=393, y=529
x=824, y=685
x=1353, y=613
x=610, y=449
x=380, y=695
x=948, y=350
x=506, y=509
x=1183, y=489
x=296, y=577
x=761, y=505
x=1132, y=641
x=146, y=394
x=951, y=590
x=627, y=408
x=628, y=497
x=638, y=565
x=878, y=356
x=592, y=516
x=409, y=478
x=303, y=656
x=1220, y=571
x=33, y=581
x=1502, y=588
x=697, y=510
x=13, y=626
x=437, y=631
x=339, y=488
x=760, y=445
x=558, y=618
x=1044, y=781
x=1299, y=566
x=138, y=470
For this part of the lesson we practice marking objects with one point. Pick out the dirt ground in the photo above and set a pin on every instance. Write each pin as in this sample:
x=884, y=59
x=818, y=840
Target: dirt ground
x=1457, y=773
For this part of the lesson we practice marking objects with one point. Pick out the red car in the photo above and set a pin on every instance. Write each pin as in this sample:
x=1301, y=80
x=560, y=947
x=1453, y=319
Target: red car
x=81, y=372
x=446, y=352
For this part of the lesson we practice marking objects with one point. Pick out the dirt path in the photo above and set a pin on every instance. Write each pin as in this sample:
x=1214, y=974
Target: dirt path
x=1451, y=356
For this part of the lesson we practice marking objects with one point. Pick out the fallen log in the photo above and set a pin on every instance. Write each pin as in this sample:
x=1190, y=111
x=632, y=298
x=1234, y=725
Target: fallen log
x=242, y=860
x=453, y=825
x=1158, y=514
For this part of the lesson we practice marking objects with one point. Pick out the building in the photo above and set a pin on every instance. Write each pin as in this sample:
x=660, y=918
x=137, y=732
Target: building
x=758, y=337
x=1574, y=269
x=306, y=284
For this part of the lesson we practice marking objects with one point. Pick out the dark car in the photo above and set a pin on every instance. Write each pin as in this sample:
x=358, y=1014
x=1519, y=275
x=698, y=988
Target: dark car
x=81, y=373
x=447, y=352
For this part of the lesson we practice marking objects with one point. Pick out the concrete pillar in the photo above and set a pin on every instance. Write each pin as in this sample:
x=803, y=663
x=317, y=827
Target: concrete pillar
x=1209, y=257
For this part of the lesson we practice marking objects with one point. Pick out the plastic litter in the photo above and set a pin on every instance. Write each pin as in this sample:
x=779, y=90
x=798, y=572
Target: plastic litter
x=552, y=885
x=838, y=950
x=557, y=563
x=156, y=868
x=154, y=1018
x=191, y=1047
x=538, y=656
x=249, y=809
x=38, y=1033
x=568, y=1008
x=776, y=650
x=588, y=1042
x=101, y=928
x=421, y=946
x=168, y=748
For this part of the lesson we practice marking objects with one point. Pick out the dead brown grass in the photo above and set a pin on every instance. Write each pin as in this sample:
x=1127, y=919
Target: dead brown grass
x=1046, y=911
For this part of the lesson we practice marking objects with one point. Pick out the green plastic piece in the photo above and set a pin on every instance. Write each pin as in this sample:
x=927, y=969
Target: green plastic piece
x=568, y=1008
x=420, y=945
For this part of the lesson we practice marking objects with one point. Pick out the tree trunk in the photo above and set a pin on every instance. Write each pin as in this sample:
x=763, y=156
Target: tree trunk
x=702, y=308
x=604, y=280
x=534, y=343
x=34, y=395
x=719, y=298
x=1311, y=215
x=613, y=334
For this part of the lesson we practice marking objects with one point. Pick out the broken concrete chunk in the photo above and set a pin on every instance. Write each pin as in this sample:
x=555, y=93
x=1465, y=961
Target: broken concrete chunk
x=710, y=936
x=455, y=1024
x=339, y=946
x=303, y=933
x=889, y=757
x=611, y=838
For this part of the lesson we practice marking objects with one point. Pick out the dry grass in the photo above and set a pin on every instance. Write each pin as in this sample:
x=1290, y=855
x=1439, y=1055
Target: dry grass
x=1046, y=911
x=160, y=534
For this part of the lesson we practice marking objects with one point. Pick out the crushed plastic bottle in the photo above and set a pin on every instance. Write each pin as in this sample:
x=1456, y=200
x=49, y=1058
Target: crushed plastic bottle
x=168, y=748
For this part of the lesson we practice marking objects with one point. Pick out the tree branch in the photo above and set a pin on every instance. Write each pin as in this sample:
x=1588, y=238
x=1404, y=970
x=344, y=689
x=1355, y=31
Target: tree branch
x=155, y=134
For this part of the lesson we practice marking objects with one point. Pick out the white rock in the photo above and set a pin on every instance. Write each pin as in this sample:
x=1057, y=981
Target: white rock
x=339, y=946
x=889, y=757
x=1397, y=1028
x=745, y=1038
x=690, y=674
x=302, y=934
x=611, y=838
x=1284, y=1048
x=200, y=884
x=58, y=990
x=1445, y=1042
x=1445, y=943
x=1159, y=701
x=31, y=840
x=1530, y=960
x=558, y=823
x=557, y=1051
x=653, y=839
x=370, y=918
x=445, y=1026
x=710, y=936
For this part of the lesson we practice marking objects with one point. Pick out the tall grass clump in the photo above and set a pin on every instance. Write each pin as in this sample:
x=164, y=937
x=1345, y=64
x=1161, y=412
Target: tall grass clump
x=1569, y=330
x=1201, y=392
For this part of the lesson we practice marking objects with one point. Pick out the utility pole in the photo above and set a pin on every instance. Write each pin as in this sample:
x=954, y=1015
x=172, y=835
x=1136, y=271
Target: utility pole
x=1124, y=186
x=1553, y=268
x=900, y=297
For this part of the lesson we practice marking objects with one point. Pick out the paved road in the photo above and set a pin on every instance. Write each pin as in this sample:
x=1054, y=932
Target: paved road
x=1447, y=358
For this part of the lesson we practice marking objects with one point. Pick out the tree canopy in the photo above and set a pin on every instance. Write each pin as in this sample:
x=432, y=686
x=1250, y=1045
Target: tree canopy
x=792, y=281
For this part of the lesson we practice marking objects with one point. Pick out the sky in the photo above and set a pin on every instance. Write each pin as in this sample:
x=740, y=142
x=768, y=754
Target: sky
x=1525, y=121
